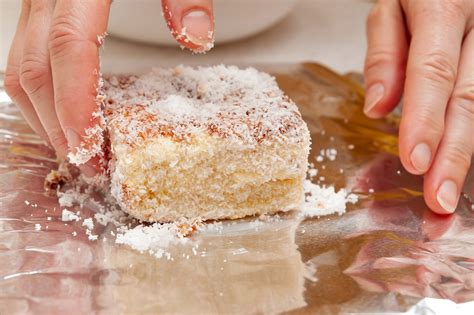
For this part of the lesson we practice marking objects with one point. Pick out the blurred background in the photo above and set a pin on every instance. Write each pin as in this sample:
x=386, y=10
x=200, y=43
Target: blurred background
x=331, y=32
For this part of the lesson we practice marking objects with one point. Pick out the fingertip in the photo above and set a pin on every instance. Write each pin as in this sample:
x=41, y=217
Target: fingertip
x=420, y=158
x=199, y=26
x=417, y=148
x=442, y=199
x=447, y=196
x=381, y=98
x=373, y=96
x=191, y=23
x=404, y=151
x=385, y=77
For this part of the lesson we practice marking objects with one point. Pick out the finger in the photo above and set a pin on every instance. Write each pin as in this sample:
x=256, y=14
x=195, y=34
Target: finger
x=445, y=179
x=12, y=75
x=437, y=31
x=191, y=22
x=35, y=72
x=386, y=58
x=74, y=42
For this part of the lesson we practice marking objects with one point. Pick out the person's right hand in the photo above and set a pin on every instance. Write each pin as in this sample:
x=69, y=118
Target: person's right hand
x=424, y=49
x=53, y=66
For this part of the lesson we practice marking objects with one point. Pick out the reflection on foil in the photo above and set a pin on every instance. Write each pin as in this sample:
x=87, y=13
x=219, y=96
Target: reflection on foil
x=245, y=272
x=389, y=253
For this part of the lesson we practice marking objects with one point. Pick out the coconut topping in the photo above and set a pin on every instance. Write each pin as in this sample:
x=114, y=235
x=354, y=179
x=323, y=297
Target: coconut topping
x=242, y=105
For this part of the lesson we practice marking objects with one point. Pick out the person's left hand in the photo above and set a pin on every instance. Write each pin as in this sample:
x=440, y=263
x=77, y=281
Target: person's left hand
x=52, y=72
x=425, y=49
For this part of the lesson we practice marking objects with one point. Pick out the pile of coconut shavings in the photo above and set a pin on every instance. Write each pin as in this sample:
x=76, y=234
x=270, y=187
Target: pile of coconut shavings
x=68, y=216
x=157, y=237
x=321, y=200
x=242, y=104
x=153, y=239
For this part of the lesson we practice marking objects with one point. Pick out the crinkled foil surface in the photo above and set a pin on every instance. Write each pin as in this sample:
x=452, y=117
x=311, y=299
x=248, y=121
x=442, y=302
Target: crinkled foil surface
x=389, y=253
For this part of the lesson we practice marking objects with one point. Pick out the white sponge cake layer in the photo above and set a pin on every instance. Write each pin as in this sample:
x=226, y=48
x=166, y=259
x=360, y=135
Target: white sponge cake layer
x=216, y=142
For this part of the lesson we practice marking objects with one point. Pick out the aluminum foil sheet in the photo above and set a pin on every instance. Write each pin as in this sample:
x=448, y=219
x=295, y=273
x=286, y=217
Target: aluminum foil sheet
x=388, y=253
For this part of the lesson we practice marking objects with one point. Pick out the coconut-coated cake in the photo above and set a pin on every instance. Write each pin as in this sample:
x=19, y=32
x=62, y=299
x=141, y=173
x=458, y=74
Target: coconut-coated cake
x=207, y=142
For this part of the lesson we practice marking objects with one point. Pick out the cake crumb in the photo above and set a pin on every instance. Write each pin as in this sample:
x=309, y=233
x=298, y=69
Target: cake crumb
x=69, y=216
x=329, y=153
x=56, y=179
x=88, y=223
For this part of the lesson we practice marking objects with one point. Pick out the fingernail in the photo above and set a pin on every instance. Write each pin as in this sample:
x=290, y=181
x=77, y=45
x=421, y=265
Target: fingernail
x=73, y=138
x=198, y=26
x=373, y=95
x=447, y=196
x=421, y=157
x=88, y=170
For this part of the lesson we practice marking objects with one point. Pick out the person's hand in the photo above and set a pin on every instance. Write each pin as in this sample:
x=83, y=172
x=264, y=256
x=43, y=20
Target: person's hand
x=53, y=65
x=425, y=49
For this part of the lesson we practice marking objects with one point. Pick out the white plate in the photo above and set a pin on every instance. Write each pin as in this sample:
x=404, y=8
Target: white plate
x=141, y=20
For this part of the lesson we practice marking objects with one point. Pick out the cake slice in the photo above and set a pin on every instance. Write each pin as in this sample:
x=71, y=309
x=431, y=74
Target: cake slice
x=210, y=142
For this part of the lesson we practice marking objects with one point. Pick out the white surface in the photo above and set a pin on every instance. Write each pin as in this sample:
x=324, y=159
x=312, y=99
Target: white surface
x=331, y=32
x=438, y=306
x=227, y=14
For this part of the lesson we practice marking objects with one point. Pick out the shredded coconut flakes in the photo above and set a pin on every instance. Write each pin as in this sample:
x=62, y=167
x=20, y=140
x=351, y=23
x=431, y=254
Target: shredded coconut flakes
x=69, y=216
x=180, y=102
x=320, y=201
x=152, y=239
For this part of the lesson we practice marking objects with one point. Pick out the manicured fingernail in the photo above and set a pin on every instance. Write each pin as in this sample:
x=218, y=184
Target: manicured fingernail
x=447, y=196
x=373, y=96
x=198, y=26
x=421, y=157
x=73, y=138
x=88, y=170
